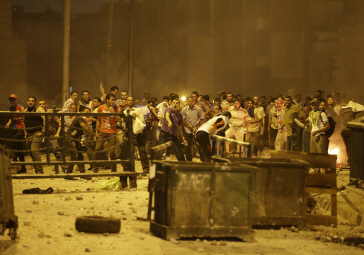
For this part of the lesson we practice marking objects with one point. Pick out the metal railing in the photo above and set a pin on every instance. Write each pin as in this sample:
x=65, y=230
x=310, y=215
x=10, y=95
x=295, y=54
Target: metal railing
x=232, y=141
x=128, y=130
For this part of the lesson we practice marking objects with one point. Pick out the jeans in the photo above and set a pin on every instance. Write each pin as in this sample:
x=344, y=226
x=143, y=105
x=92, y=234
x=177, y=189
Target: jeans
x=100, y=145
x=55, y=148
x=18, y=135
x=190, y=138
x=73, y=145
x=203, y=140
x=34, y=143
x=166, y=137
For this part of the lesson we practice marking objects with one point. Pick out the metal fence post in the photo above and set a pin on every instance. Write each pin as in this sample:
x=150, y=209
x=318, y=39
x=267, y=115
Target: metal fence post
x=47, y=137
x=63, y=139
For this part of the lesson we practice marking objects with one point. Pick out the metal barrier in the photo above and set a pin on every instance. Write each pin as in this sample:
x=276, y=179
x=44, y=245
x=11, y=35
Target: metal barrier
x=128, y=130
x=221, y=138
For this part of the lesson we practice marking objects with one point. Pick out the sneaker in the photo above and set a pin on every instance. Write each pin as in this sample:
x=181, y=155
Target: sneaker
x=39, y=171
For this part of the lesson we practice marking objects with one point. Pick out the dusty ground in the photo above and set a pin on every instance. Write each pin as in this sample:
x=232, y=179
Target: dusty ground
x=47, y=226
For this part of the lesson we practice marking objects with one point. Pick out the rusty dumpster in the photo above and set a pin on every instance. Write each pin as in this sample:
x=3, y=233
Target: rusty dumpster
x=280, y=198
x=203, y=200
x=7, y=216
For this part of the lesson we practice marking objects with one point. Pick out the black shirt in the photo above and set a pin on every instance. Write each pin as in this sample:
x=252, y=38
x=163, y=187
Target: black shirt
x=75, y=130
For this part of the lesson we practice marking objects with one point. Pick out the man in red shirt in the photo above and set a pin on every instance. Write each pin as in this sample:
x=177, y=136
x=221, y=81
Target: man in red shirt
x=16, y=122
x=106, y=129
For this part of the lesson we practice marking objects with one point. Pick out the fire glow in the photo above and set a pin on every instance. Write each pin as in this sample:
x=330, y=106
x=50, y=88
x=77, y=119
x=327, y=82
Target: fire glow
x=334, y=151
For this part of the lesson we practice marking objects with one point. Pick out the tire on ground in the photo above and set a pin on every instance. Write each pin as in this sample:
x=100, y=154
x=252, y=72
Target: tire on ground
x=98, y=224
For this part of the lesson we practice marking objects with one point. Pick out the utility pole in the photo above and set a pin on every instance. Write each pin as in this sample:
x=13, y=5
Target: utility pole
x=108, y=46
x=131, y=48
x=66, y=48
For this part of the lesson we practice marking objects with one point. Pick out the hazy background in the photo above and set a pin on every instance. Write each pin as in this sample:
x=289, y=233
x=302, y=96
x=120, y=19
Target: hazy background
x=248, y=47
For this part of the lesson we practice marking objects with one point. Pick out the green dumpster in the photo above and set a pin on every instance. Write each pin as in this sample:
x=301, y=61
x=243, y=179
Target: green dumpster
x=203, y=200
x=280, y=198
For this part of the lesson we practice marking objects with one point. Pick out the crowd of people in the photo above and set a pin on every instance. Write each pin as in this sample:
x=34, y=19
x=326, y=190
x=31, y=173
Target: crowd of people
x=189, y=123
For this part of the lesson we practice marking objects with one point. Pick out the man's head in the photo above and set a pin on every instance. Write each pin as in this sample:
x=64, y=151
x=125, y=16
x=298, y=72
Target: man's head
x=315, y=104
x=96, y=102
x=227, y=114
x=338, y=97
x=239, y=97
x=262, y=100
x=237, y=104
x=323, y=105
x=136, y=102
x=288, y=101
x=308, y=100
x=130, y=102
x=85, y=95
x=217, y=101
x=318, y=94
x=330, y=100
x=73, y=108
x=165, y=99
x=229, y=97
x=194, y=96
x=298, y=98
x=175, y=104
x=269, y=100
x=122, y=104
x=189, y=102
x=206, y=98
x=217, y=109
x=110, y=99
x=74, y=96
x=114, y=90
x=250, y=103
x=31, y=101
x=150, y=103
x=124, y=95
x=146, y=94
x=200, y=98
x=256, y=100
x=13, y=100
x=43, y=104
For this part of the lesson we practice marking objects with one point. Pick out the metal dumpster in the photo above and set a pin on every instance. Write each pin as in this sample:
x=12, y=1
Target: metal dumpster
x=7, y=216
x=357, y=148
x=203, y=200
x=280, y=191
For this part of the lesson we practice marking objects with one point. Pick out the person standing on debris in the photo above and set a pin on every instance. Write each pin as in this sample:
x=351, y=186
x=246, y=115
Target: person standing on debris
x=73, y=139
x=193, y=118
x=17, y=122
x=138, y=126
x=237, y=124
x=254, y=126
x=207, y=131
x=34, y=128
x=290, y=111
x=53, y=129
x=319, y=123
x=172, y=125
x=106, y=130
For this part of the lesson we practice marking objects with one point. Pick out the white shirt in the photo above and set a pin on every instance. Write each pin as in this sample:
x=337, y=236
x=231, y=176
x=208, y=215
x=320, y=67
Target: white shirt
x=320, y=124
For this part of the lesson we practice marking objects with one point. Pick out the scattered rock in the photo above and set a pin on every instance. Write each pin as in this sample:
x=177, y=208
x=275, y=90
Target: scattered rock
x=174, y=241
x=41, y=234
x=222, y=244
x=130, y=203
x=36, y=202
x=214, y=243
x=79, y=198
x=67, y=199
x=28, y=210
x=49, y=242
x=48, y=236
x=67, y=234
x=87, y=250
x=106, y=234
x=117, y=202
x=60, y=213
x=27, y=223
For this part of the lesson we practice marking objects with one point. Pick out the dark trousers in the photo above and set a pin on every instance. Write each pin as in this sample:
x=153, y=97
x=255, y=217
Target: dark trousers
x=18, y=135
x=272, y=137
x=289, y=143
x=72, y=146
x=166, y=137
x=203, y=139
x=346, y=136
x=190, y=138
